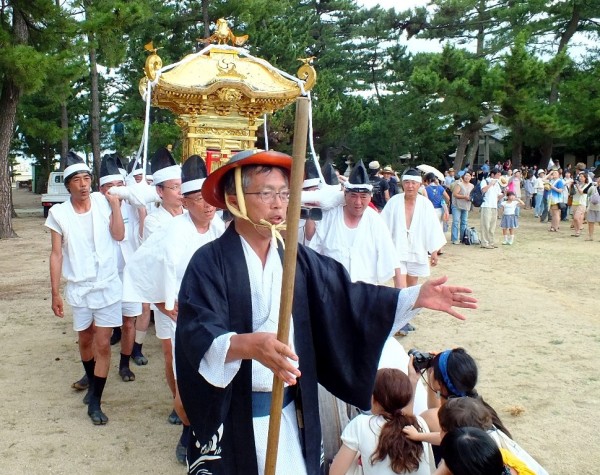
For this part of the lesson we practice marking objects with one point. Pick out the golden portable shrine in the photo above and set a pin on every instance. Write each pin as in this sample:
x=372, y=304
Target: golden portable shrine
x=221, y=94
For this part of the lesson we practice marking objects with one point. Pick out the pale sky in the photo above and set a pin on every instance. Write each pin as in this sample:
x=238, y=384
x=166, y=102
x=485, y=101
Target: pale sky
x=414, y=45
x=579, y=46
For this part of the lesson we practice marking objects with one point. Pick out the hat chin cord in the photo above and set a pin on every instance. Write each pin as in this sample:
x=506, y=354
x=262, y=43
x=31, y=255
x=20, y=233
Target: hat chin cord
x=242, y=213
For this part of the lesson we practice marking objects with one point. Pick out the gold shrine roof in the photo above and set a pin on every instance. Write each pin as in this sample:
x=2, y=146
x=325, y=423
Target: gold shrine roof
x=224, y=83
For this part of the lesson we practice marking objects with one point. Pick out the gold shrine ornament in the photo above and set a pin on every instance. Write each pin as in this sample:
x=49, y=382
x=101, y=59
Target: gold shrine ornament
x=223, y=83
x=220, y=96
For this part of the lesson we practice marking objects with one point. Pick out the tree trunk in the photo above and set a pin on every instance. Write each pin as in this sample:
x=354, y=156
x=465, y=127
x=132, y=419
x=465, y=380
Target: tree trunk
x=205, y=18
x=473, y=149
x=11, y=94
x=517, y=147
x=64, y=140
x=546, y=152
x=467, y=135
x=548, y=143
x=95, y=107
x=480, y=30
x=463, y=142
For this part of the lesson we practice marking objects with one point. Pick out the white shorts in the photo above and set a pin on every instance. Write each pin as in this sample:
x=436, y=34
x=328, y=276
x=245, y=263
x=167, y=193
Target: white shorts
x=415, y=269
x=131, y=309
x=107, y=317
x=164, y=325
x=165, y=330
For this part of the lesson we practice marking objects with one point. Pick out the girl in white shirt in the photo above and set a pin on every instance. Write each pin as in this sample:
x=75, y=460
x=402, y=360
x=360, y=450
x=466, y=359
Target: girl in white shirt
x=510, y=218
x=376, y=442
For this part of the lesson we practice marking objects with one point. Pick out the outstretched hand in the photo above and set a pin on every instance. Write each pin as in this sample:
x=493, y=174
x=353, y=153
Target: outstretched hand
x=434, y=295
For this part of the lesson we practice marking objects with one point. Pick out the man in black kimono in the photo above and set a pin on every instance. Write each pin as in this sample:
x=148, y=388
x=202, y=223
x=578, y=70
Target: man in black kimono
x=226, y=349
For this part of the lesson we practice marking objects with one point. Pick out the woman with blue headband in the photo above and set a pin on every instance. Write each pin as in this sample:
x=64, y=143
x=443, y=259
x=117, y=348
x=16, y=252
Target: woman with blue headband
x=450, y=374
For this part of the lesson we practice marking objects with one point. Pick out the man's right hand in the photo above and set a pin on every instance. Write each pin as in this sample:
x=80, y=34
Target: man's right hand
x=57, y=306
x=172, y=314
x=267, y=350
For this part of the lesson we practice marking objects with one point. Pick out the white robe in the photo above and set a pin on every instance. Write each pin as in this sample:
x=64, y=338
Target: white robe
x=154, y=272
x=89, y=266
x=425, y=234
x=133, y=234
x=367, y=251
x=156, y=220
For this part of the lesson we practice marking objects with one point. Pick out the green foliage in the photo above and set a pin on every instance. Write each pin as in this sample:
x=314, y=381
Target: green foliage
x=580, y=107
x=463, y=84
x=25, y=66
x=372, y=98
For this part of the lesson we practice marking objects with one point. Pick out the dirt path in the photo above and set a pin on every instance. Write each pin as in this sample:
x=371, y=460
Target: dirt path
x=536, y=338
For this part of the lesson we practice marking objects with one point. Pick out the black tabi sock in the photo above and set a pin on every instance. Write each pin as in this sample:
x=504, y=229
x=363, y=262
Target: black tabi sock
x=185, y=436
x=99, y=387
x=137, y=349
x=89, y=369
x=124, y=363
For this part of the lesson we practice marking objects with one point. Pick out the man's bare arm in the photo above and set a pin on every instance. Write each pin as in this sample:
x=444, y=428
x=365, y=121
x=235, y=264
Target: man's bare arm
x=56, y=258
x=116, y=226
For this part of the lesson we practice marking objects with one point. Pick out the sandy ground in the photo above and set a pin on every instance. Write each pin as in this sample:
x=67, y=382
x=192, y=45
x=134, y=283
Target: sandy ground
x=536, y=338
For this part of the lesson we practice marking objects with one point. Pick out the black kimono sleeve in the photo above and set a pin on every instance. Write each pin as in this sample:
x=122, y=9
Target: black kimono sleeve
x=214, y=299
x=349, y=323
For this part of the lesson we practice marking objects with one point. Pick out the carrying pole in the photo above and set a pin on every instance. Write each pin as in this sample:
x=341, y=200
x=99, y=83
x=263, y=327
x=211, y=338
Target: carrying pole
x=289, y=271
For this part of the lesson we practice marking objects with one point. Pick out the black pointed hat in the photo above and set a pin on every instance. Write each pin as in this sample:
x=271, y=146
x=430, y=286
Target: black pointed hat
x=329, y=174
x=110, y=169
x=311, y=174
x=74, y=164
x=412, y=174
x=359, y=179
x=193, y=174
x=138, y=167
x=120, y=165
x=164, y=167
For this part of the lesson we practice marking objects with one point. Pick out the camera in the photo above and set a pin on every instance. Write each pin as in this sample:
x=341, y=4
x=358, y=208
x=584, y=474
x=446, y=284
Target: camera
x=316, y=214
x=421, y=360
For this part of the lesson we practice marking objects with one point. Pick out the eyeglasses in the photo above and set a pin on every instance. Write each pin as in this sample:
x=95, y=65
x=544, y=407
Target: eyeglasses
x=172, y=187
x=268, y=196
x=197, y=199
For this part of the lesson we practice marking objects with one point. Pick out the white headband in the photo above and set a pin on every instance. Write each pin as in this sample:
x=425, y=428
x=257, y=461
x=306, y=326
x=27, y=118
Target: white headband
x=169, y=173
x=77, y=167
x=311, y=182
x=192, y=185
x=359, y=187
x=416, y=178
x=110, y=178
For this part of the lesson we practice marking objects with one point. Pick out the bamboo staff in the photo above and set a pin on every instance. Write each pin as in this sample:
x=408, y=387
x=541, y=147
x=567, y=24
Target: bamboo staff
x=289, y=271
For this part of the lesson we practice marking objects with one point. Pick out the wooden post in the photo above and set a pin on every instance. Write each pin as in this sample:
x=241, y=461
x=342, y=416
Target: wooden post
x=289, y=271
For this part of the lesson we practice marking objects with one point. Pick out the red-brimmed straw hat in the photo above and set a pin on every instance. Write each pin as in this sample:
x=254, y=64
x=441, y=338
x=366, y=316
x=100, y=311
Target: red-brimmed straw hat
x=212, y=189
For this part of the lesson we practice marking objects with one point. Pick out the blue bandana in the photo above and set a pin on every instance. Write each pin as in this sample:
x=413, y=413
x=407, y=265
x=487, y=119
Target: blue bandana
x=443, y=365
